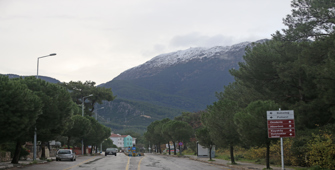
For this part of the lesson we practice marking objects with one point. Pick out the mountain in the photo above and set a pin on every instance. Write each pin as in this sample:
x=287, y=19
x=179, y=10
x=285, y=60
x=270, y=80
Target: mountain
x=48, y=79
x=169, y=84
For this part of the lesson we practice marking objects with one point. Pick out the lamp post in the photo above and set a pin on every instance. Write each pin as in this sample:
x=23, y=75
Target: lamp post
x=82, y=114
x=35, y=134
x=96, y=118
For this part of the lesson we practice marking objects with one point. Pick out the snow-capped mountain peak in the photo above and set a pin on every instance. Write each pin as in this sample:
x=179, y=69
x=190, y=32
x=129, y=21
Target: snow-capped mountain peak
x=189, y=54
x=228, y=54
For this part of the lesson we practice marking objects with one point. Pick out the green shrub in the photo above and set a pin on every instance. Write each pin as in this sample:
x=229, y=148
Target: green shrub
x=321, y=151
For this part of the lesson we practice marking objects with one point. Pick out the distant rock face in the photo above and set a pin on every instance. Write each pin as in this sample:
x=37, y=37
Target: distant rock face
x=163, y=61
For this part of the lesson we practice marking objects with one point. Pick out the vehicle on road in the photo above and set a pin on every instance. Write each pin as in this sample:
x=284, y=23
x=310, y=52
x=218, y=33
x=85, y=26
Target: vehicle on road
x=65, y=154
x=111, y=151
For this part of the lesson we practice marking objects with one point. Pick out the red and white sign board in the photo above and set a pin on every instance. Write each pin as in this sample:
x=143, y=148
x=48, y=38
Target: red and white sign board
x=280, y=123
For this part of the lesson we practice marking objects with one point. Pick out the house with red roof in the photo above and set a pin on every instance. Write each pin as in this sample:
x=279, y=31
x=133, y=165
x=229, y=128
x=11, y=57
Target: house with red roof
x=123, y=141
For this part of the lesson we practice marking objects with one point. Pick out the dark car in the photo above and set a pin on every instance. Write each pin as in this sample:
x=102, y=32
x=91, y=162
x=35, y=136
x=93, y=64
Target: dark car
x=111, y=151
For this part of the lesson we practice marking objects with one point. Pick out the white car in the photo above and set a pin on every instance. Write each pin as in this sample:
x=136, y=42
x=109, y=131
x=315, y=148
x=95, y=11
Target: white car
x=65, y=154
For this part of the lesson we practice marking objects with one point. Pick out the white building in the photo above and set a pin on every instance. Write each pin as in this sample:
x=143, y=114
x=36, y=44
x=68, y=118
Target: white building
x=119, y=140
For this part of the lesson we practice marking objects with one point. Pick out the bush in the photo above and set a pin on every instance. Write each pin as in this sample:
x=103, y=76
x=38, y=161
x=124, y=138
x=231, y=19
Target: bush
x=321, y=151
x=275, y=152
x=256, y=153
x=189, y=151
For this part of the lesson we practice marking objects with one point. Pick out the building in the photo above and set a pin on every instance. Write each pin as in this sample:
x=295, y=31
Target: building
x=117, y=140
x=128, y=141
x=123, y=141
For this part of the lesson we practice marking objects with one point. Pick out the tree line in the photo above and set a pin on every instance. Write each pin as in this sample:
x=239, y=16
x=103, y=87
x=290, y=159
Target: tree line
x=295, y=70
x=30, y=104
x=166, y=130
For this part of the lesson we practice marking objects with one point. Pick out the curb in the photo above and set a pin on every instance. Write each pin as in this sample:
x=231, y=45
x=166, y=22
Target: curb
x=6, y=165
x=227, y=165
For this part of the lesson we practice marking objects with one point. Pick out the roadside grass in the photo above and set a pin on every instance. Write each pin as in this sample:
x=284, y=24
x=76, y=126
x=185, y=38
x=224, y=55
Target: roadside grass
x=188, y=152
x=239, y=155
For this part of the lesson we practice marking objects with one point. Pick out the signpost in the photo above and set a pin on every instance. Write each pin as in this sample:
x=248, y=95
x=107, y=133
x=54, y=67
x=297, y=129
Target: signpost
x=179, y=144
x=281, y=125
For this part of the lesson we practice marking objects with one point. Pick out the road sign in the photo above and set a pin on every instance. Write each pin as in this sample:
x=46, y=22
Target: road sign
x=280, y=114
x=180, y=143
x=281, y=134
x=280, y=123
x=280, y=117
x=281, y=130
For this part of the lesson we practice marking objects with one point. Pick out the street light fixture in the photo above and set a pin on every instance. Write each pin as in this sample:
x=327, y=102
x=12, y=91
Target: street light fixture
x=96, y=118
x=35, y=133
x=82, y=114
x=38, y=59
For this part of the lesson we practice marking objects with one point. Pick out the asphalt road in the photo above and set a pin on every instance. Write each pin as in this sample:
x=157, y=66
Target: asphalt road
x=123, y=162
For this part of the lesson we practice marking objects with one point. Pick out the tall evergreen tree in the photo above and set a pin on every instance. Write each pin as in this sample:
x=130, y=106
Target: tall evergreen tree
x=219, y=120
x=57, y=110
x=79, y=90
x=205, y=139
x=310, y=19
x=252, y=125
x=19, y=110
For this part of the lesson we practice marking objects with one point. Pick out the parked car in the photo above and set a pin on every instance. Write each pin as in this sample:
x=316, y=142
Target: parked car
x=111, y=151
x=65, y=154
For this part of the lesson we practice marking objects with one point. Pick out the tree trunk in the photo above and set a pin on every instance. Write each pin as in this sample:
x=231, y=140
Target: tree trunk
x=169, y=148
x=43, y=150
x=232, y=159
x=96, y=149
x=48, y=145
x=91, y=149
x=17, y=152
x=179, y=150
x=68, y=142
x=268, y=155
x=174, y=147
x=210, y=152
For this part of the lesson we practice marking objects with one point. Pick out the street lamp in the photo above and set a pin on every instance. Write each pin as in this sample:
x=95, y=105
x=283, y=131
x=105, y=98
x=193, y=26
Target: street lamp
x=35, y=134
x=38, y=59
x=96, y=118
x=82, y=114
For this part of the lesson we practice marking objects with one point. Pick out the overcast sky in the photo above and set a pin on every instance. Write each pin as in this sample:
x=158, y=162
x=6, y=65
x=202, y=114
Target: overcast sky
x=99, y=39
